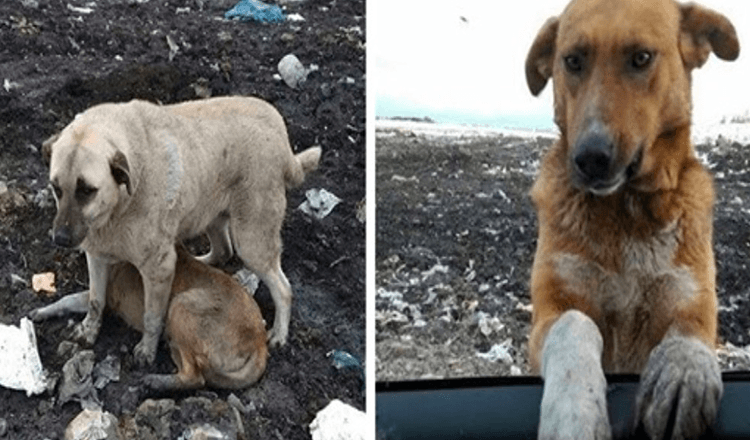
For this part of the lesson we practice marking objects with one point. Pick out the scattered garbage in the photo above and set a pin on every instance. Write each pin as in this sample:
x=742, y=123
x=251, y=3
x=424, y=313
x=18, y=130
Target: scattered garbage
x=173, y=47
x=80, y=10
x=319, y=203
x=499, y=352
x=488, y=324
x=107, y=371
x=361, y=211
x=292, y=71
x=203, y=432
x=339, y=421
x=20, y=366
x=247, y=10
x=248, y=279
x=43, y=282
x=77, y=381
x=93, y=425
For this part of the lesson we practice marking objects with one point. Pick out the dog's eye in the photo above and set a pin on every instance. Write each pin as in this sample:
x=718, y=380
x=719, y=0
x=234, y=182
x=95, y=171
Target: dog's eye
x=574, y=63
x=641, y=59
x=84, y=191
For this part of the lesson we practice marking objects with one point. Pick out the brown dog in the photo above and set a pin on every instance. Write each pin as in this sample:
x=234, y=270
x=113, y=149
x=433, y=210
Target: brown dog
x=623, y=277
x=215, y=329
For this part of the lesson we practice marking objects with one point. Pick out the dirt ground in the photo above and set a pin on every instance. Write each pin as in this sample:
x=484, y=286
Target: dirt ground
x=59, y=57
x=456, y=243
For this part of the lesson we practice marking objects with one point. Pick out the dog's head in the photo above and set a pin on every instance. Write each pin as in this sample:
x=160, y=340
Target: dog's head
x=89, y=177
x=621, y=74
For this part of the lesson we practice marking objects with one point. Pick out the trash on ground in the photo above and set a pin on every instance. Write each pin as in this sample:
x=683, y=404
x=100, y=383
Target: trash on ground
x=338, y=421
x=292, y=71
x=361, y=211
x=247, y=10
x=248, y=279
x=20, y=366
x=43, y=282
x=77, y=381
x=499, y=352
x=92, y=424
x=107, y=371
x=319, y=203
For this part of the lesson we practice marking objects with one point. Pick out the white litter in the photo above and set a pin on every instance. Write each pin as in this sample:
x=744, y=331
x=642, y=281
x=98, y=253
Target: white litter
x=499, y=352
x=20, y=366
x=339, y=421
x=292, y=71
x=319, y=203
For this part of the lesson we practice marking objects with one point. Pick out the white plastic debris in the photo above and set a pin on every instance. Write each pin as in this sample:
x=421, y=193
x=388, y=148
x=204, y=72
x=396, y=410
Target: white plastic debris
x=20, y=366
x=499, y=352
x=338, y=421
x=319, y=203
x=92, y=425
x=292, y=71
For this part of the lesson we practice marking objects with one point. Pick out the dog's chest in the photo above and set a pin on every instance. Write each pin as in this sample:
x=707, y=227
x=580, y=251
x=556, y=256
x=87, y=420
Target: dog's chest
x=634, y=304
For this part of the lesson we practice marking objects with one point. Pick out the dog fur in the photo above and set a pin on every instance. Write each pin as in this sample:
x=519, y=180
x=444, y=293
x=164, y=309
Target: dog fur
x=132, y=179
x=623, y=278
x=215, y=330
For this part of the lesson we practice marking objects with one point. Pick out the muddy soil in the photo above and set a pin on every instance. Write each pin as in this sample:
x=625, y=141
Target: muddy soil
x=456, y=243
x=59, y=57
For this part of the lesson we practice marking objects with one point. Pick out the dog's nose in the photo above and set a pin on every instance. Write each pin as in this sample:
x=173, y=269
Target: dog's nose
x=593, y=155
x=62, y=237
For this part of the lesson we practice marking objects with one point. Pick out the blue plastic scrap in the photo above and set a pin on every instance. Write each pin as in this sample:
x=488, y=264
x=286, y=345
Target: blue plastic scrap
x=247, y=10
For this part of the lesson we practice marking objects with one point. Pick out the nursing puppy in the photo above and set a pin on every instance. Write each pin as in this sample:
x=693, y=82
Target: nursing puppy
x=215, y=330
x=133, y=179
x=624, y=277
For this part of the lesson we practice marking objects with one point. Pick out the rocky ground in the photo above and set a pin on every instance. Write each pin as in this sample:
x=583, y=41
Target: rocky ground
x=59, y=57
x=456, y=234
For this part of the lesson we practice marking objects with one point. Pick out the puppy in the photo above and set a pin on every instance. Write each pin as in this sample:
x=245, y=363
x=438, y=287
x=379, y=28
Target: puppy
x=623, y=278
x=132, y=179
x=215, y=330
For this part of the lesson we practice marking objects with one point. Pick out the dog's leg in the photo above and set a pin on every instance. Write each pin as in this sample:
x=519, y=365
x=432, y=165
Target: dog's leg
x=88, y=329
x=681, y=382
x=281, y=292
x=221, y=241
x=73, y=303
x=157, y=274
x=574, y=404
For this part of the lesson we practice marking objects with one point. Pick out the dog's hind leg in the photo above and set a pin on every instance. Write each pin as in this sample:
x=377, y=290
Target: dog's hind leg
x=221, y=241
x=574, y=400
x=73, y=303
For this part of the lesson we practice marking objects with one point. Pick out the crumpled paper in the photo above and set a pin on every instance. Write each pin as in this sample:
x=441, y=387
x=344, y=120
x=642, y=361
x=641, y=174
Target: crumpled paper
x=20, y=365
x=339, y=421
x=319, y=203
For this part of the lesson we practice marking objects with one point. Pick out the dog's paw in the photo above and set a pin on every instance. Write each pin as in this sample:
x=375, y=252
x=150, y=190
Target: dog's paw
x=572, y=417
x=35, y=316
x=681, y=383
x=144, y=352
x=276, y=338
x=85, y=332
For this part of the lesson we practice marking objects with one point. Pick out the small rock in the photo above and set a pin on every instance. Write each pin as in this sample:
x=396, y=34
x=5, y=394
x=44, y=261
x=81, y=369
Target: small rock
x=93, y=425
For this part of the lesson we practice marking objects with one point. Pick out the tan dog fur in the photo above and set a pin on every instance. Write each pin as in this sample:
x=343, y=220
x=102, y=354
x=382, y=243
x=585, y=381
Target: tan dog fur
x=215, y=330
x=631, y=247
x=132, y=179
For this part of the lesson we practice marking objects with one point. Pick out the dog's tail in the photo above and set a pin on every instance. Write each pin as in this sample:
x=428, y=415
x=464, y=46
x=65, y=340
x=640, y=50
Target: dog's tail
x=301, y=164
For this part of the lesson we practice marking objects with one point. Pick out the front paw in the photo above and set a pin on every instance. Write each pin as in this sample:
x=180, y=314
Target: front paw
x=682, y=380
x=85, y=332
x=574, y=417
x=277, y=337
x=145, y=352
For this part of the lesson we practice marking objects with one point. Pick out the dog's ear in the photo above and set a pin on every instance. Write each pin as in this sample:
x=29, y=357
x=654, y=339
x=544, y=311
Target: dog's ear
x=541, y=57
x=47, y=147
x=121, y=171
x=703, y=31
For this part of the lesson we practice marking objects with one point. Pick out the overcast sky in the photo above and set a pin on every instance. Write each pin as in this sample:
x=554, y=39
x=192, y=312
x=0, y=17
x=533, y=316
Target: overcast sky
x=462, y=61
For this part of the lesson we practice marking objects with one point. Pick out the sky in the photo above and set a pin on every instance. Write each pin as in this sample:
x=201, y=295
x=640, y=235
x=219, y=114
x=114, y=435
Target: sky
x=463, y=62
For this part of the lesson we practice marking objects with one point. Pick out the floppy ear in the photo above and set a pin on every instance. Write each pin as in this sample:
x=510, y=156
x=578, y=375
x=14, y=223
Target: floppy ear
x=703, y=31
x=121, y=171
x=541, y=57
x=47, y=147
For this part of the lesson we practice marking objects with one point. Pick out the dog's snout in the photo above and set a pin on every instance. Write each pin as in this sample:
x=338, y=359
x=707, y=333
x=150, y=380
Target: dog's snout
x=63, y=237
x=593, y=155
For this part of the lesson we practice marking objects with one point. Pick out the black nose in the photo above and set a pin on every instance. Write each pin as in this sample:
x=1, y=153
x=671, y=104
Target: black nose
x=62, y=237
x=593, y=155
